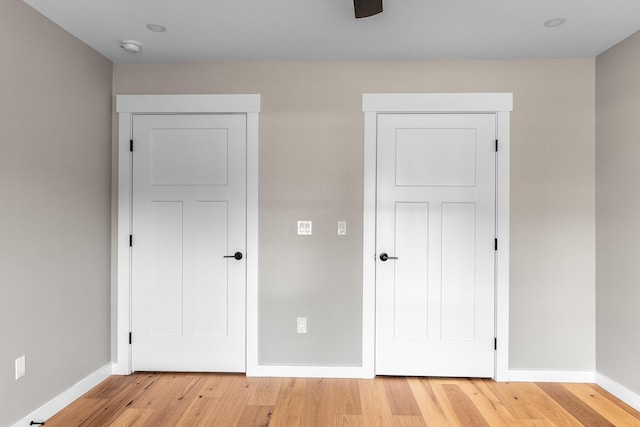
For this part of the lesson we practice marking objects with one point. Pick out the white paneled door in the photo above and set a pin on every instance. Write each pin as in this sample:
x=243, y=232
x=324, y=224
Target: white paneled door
x=435, y=239
x=189, y=239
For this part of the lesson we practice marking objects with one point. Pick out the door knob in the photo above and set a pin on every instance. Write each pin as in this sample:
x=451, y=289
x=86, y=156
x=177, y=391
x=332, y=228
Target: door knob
x=237, y=255
x=384, y=256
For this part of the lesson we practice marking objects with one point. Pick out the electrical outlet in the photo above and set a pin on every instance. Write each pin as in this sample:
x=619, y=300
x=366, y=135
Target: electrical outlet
x=20, y=367
x=301, y=323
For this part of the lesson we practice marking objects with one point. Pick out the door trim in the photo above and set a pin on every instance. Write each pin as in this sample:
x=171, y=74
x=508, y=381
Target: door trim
x=499, y=103
x=126, y=107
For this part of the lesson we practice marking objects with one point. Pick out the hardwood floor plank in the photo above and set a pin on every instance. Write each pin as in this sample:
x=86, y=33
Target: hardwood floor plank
x=255, y=416
x=528, y=402
x=400, y=397
x=375, y=406
x=324, y=399
x=169, y=407
x=230, y=406
x=200, y=412
x=288, y=409
x=125, y=398
x=264, y=391
x=345, y=397
x=211, y=391
x=491, y=406
x=437, y=411
x=408, y=421
x=158, y=387
x=317, y=407
x=532, y=423
x=79, y=412
x=117, y=393
x=132, y=417
x=632, y=411
x=110, y=387
x=467, y=413
x=216, y=385
x=603, y=406
x=208, y=394
x=350, y=421
x=517, y=400
x=580, y=410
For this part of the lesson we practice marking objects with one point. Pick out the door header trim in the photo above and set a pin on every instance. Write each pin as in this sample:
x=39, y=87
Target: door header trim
x=242, y=103
x=437, y=102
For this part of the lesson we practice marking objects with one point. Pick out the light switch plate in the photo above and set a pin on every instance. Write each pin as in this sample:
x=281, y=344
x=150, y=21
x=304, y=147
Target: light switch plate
x=20, y=367
x=304, y=228
x=342, y=228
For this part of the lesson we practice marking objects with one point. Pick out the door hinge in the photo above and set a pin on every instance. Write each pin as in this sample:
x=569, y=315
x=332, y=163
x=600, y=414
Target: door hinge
x=130, y=240
x=495, y=343
x=130, y=337
x=496, y=145
x=495, y=242
x=131, y=145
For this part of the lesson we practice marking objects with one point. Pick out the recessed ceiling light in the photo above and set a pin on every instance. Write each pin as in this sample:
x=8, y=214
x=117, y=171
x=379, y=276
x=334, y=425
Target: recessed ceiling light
x=131, y=46
x=552, y=23
x=156, y=28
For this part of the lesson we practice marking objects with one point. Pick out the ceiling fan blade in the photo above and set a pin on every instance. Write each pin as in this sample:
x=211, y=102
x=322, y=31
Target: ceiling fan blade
x=366, y=8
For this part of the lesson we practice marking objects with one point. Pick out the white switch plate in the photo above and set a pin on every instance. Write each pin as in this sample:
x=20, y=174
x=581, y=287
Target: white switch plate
x=342, y=228
x=20, y=367
x=304, y=228
x=301, y=323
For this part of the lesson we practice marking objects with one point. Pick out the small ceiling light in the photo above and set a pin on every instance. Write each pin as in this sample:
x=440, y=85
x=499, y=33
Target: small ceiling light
x=553, y=23
x=156, y=28
x=131, y=46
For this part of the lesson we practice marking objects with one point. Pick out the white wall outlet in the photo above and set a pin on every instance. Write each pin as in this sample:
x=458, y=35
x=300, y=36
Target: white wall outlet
x=301, y=323
x=20, y=367
x=304, y=228
x=342, y=228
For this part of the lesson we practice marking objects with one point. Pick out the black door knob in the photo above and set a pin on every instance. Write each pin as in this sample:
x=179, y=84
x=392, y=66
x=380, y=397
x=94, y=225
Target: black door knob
x=384, y=256
x=237, y=255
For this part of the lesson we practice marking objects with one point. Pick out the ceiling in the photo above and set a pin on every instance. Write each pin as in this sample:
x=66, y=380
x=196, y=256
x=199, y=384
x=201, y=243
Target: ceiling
x=286, y=30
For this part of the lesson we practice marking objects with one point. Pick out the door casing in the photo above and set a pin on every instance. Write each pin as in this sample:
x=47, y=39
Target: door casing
x=129, y=105
x=433, y=103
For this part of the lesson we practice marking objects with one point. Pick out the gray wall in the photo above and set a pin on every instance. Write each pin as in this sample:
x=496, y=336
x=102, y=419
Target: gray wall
x=54, y=179
x=618, y=212
x=311, y=148
x=55, y=122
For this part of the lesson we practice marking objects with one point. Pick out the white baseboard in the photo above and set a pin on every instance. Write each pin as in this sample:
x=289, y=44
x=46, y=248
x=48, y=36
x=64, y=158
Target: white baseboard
x=629, y=397
x=513, y=375
x=309, y=371
x=120, y=369
x=65, y=398
x=527, y=375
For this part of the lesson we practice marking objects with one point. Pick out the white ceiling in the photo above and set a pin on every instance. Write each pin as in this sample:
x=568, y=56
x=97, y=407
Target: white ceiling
x=283, y=30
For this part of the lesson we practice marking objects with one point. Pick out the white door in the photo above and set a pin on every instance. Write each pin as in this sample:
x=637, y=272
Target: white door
x=435, y=245
x=189, y=217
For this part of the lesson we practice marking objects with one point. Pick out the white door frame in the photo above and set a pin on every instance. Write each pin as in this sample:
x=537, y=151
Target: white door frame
x=126, y=107
x=373, y=104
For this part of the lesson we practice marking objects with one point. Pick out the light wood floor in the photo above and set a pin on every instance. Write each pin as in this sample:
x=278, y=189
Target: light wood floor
x=168, y=399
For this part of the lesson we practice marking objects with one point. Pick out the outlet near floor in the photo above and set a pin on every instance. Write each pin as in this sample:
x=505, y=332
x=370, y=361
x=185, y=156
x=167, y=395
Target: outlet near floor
x=302, y=325
x=20, y=367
